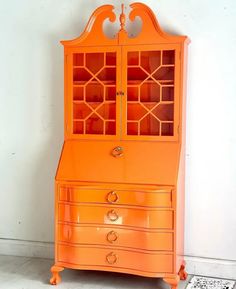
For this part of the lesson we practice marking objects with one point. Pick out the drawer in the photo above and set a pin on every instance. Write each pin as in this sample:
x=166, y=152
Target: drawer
x=158, y=241
x=113, y=215
x=90, y=256
x=156, y=197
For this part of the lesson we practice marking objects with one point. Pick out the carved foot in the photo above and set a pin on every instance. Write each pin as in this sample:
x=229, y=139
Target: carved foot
x=56, y=279
x=172, y=281
x=182, y=273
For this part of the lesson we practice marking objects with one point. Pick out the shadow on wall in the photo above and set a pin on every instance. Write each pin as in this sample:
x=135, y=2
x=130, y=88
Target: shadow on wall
x=52, y=123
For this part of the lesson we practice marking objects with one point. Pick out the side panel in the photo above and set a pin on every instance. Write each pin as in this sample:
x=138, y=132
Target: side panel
x=180, y=196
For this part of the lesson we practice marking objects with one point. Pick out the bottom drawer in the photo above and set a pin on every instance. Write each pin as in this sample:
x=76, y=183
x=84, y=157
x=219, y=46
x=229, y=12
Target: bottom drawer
x=90, y=256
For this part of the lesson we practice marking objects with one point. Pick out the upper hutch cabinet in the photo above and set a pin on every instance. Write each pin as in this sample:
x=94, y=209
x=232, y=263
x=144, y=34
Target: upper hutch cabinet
x=119, y=193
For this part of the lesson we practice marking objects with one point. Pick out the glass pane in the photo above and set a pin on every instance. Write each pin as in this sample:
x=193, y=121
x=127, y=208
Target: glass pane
x=78, y=93
x=166, y=128
x=94, y=93
x=149, y=126
x=94, y=125
x=168, y=57
x=167, y=93
x=133, y=93
x=94, y=62
x=111, y=58
x=110, y=127
x=78, y=59
x=150, y=93
x=110, y=93
x=132, y=128
x=133, y=58
x=150, y=60
x=78, y=127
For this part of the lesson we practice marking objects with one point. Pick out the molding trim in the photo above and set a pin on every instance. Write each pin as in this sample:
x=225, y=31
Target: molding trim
x=211, y=267
x=27, y=248
x=194, y=265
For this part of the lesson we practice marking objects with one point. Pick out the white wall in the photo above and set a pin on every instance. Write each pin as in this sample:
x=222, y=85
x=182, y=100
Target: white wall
x=31, y=125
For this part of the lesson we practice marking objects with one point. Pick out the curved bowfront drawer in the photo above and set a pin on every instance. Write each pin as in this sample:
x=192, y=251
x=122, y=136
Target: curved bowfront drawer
x=90, y=256
x=113, y=215
x=145, y=240
x=159, y=197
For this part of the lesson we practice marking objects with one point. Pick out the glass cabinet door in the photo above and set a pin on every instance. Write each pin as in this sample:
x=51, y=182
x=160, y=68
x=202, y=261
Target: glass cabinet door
x=150, y=109
x=94, y=101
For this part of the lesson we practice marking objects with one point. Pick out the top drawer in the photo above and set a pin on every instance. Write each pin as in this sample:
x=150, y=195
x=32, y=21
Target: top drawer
x=134, y=197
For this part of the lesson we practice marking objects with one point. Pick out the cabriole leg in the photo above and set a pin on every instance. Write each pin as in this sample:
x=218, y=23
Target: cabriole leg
x=56, y=279
x=172, y=281
x=182, y=273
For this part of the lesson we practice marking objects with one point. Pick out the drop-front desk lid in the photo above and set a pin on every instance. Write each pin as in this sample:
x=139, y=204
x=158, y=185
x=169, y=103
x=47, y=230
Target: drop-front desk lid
x=141, y=162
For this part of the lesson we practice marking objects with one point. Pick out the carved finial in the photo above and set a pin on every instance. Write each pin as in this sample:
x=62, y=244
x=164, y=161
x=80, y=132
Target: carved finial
x=122, y=18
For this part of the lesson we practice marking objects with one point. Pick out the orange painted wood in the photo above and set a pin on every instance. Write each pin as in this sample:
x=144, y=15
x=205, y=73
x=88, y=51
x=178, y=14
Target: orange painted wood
x=114, y=215
x=112, y=236
x=141, y=163
x=158, y=198
x=154, y=262
x=119, y=190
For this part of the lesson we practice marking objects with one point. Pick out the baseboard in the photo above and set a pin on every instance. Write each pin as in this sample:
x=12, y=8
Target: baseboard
x=195, y=265
x=211, y=267
x=27, y=248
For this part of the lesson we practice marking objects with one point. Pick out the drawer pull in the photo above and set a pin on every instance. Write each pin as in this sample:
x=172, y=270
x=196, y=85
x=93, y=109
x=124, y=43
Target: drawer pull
x=118, y=152
x=112, y=197
x=112, y=236
x=111, y=258
x=112, y=215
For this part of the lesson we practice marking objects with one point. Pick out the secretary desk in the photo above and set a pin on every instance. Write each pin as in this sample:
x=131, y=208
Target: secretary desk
x=119, y=189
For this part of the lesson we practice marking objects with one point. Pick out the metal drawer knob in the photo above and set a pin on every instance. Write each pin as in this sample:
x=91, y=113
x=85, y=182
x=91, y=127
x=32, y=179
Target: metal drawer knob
x=117, y=152
x=112, y=197
x=112, y=236
x=112, y=215
x=111, y=258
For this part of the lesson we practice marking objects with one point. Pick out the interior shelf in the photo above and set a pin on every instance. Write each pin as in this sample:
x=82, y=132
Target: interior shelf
x=137, y=82
x=94, y=102
x=149, y=102
x=94, y=82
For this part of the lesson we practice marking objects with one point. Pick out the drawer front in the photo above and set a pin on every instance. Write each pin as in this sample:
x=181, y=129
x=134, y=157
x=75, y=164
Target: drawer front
x=153, y=219
x=158, y=241
x=90, y=256
x=157, y=198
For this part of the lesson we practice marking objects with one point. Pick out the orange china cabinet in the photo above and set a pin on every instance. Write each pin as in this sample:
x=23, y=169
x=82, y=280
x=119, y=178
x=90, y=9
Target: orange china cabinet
x=119, y=190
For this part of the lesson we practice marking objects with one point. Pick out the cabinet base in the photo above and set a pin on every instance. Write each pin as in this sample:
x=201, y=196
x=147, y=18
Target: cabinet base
x=171, y=280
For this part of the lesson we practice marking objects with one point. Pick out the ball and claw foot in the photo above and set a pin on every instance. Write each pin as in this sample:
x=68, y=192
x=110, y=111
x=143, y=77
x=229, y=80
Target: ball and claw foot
x=172, y=281
x=56, y=279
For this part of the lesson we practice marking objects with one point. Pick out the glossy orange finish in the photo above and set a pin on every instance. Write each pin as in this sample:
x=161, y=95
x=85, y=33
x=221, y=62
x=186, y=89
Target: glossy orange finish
x=116, y=258
x=116, y=236
x=108, y=215
x=154, y=197
x=119, y=192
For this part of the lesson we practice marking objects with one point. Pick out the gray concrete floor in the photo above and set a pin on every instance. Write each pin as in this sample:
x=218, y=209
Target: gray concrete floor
x=32, y=273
